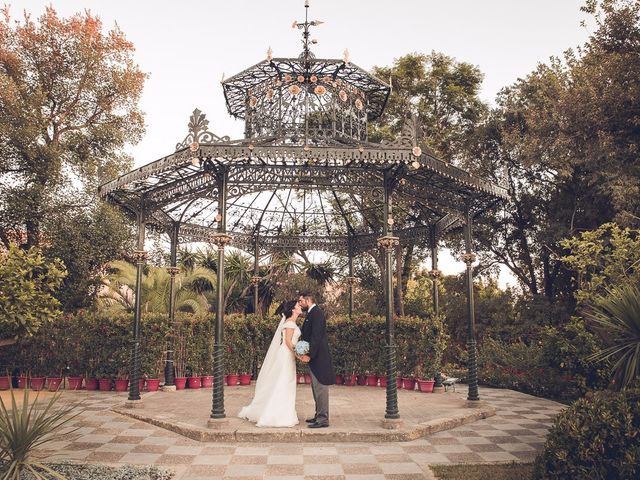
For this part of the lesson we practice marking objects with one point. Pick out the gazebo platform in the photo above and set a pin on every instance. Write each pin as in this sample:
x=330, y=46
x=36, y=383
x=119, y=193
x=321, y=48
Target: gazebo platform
x=356, y=413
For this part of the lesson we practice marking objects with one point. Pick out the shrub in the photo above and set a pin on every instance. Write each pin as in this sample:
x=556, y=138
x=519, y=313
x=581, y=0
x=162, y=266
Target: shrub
x=595, y=438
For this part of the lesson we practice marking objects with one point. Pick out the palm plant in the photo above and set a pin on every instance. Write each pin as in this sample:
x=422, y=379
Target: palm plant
x=616, y=315
x=119, y=286
x=24, y=428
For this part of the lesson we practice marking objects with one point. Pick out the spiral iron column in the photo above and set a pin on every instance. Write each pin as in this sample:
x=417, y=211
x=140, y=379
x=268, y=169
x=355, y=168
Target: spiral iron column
x=220, y=239
x=469, y=257
x=255, y=279
x=435, y=278
x=388, y=242
x=140, y=256
x=169, y=370
x=351, y=282
x=435, y=273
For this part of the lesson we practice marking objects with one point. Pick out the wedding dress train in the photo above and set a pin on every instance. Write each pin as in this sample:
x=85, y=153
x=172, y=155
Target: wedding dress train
x=274, y=400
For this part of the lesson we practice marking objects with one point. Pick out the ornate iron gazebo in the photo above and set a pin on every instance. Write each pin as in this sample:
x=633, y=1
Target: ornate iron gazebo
x=304, y=177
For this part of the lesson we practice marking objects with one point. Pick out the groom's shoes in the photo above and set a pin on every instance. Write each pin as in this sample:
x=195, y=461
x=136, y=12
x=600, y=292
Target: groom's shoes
x=311, y=420
x=318, y=425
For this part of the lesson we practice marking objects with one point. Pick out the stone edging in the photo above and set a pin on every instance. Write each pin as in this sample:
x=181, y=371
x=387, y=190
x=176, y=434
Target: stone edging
x=474, y=413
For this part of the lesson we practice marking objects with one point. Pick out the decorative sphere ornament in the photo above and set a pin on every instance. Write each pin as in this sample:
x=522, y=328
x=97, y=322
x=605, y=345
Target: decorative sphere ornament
x=343, y=95
x=294, y=89
x=417, y=151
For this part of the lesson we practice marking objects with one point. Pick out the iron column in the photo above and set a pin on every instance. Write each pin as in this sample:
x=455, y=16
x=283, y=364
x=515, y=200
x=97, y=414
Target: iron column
x=388, y=242
x=140, y=256
x=469, y=257
x=435, y=273
x=255, y=280
x=221, y=239
x=169, y=371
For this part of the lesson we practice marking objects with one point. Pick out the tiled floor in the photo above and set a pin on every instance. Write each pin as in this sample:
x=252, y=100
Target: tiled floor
x=516, y=433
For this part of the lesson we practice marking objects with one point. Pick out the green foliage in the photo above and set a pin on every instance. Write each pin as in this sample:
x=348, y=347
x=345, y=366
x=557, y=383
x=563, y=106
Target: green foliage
x=357, y=345
x=86, y=240
x=68, y=106
x=604, y=257
x=26, y=427
x=118, y=289
x=27, y=286
x=598, y=437
x=554, y=363
x=616, y=316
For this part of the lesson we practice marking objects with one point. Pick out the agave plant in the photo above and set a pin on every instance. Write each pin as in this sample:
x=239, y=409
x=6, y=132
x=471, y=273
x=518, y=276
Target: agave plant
x=26, y=427
x=616, y=316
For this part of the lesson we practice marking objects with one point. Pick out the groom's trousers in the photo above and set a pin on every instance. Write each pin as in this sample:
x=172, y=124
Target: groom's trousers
x=321, y=397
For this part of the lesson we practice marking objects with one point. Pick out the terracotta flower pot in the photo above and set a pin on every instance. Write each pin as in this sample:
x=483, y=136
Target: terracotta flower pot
x=426, y=386
x=350, y=380
x=37, y=383
x=122, y=384
x=224, y=379
x=141, y=382
x=104, y=384
x=339, y=380
x=5, y=383
x=194, y=382
x=300, y=378
x=91, y=383
x=398, y=382
x=23, y=382
x=74, y=383
x=53, y=383
x=181, y=382
x=408, y=383
x=245, y=379
x=372, y=380
x=383, y=381
x=153, y=384
x=207, y=381
x=362, y=379
x=307, y=379
x=232, y=379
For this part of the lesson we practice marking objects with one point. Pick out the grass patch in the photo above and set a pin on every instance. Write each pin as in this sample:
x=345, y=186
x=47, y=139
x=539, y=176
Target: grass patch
x=503, y=471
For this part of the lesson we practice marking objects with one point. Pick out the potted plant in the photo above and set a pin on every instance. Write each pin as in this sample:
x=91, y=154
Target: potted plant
x=121, y=381
x=207, y=364
x=5, y=382
x=103, y=374
x=425, y=384
x=179, y=359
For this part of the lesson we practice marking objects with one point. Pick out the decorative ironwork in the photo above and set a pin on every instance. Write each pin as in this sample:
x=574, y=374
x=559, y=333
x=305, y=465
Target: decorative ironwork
x=255, y=280
x=351, y=281
x=468, y=258
x=435, y=274
x=140, y=256
x=199, y=133
x=221, y=240
x=173, y=271
x=388, y=242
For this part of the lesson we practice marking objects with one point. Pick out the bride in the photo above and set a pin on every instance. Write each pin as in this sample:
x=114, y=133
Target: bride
x=274, y=400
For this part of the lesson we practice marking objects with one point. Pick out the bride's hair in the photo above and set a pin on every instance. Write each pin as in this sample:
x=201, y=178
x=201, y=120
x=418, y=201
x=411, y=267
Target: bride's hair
x=286, y=308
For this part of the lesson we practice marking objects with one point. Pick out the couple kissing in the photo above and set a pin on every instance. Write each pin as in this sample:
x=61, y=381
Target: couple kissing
x=274, y=400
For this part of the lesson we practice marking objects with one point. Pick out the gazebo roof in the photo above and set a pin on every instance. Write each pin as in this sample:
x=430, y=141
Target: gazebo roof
x=305, y=177
x=299, y=197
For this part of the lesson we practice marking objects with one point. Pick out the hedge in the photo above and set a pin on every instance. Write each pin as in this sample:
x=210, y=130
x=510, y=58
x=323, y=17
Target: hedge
x=96, y=345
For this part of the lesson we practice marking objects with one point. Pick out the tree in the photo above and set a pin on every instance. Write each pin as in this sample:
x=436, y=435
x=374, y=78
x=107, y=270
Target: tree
x=27, y=284
x=86, y=240
x=564, y=140
x=68, y=104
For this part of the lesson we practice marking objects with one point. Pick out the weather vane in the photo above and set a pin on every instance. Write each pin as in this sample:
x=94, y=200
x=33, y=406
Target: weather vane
x=306, y=53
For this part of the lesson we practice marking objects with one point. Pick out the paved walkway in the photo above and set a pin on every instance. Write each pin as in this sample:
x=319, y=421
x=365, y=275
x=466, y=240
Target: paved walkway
x=515, y=433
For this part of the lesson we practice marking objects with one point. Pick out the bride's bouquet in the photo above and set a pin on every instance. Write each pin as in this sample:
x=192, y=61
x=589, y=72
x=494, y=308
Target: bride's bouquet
x=302, y=348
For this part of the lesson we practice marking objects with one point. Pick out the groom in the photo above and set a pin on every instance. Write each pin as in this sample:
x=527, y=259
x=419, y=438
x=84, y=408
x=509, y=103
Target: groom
x=314, y=331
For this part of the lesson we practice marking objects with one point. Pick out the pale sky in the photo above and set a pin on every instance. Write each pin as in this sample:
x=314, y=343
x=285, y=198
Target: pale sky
x=187, y=46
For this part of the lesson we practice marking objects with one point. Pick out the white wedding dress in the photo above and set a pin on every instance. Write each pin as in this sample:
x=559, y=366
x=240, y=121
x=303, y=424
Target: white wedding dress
x=274, y=400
